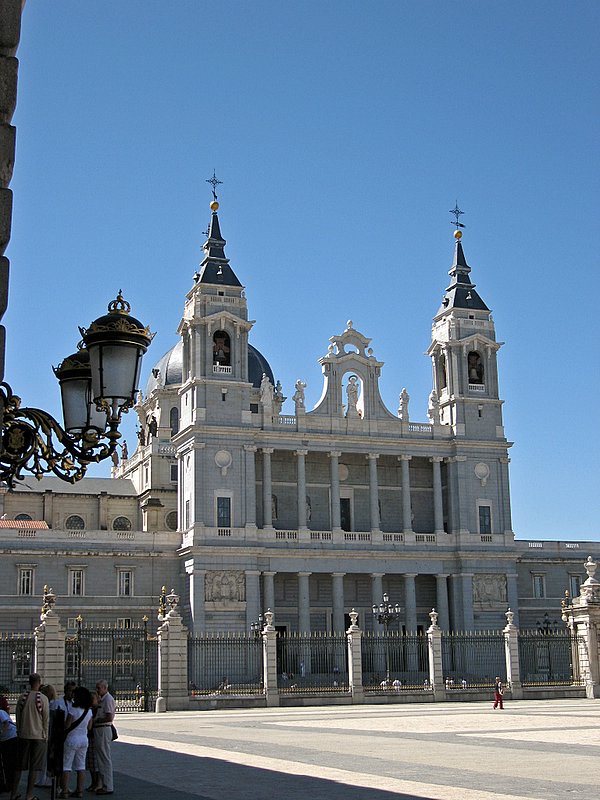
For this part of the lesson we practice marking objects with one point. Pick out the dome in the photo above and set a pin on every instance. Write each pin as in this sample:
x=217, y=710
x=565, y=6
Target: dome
x=169, y=370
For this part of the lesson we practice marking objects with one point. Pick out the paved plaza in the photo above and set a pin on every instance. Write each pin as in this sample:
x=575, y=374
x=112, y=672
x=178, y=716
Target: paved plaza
x=447, y=751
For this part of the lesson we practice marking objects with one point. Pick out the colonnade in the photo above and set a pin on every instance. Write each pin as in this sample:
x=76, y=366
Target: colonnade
x=334, y=456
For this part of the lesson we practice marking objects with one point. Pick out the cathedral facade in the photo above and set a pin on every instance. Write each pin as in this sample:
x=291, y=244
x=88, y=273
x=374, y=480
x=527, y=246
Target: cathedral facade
x=241, y=508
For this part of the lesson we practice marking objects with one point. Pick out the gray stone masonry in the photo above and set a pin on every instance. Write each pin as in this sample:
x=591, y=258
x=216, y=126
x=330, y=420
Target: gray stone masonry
x=172, y=663
x=354, y=634
x=50, y=649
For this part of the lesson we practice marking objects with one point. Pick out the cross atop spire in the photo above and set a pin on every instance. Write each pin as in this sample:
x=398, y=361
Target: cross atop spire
x=457, y=213
x=214, y=181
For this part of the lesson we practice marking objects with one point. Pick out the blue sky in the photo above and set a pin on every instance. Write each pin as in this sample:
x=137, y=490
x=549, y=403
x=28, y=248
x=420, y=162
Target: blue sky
x=343, y=132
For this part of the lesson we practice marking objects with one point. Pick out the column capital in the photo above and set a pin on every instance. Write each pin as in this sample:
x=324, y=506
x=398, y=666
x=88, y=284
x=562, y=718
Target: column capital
x=252, y=571
x=372, y=456
x=268, y=573
x=267, y=450
x=443, y=575
x=377, y=574
x=250, y=448
x=460, y=458
x=335, y=454
x=436, y=459
x=301, y=452
x=404, y=458
x=409, y=574
x=199, y=446
x=504, y=460
x=337, y=574
x=304, y=574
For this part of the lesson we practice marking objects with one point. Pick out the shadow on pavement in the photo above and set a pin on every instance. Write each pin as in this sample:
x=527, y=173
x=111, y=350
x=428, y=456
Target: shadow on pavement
x=147, y=773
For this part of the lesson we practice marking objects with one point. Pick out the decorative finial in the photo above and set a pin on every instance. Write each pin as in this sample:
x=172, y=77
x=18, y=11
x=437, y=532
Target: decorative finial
x=457, y=213
x=214, y=182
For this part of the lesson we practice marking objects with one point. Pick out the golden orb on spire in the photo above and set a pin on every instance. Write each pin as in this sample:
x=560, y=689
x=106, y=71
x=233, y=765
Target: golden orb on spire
x=214, y=206
x=458, y=235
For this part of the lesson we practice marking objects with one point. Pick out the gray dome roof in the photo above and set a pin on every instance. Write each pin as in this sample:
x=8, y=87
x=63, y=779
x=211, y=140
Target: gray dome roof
x=169, y=370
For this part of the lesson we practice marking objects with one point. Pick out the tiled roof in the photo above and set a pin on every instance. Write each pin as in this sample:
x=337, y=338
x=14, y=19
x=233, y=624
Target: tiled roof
x=27, y=524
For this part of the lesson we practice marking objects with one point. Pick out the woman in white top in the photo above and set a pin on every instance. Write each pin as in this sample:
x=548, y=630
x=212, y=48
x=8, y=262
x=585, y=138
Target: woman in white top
x=78, y=723
x=8, y=746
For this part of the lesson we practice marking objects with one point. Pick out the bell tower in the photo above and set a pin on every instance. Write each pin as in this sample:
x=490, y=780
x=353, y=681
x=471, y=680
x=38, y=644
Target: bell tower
x=464, y=357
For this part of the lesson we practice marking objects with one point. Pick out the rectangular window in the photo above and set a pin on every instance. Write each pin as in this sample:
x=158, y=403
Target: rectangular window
x=539, y=586
x=574, y=585
x=76, y=582
x=125, y=588
x=485, y=519
x=223, y=512
x=187, y=513
x=124, y=623
x=174, y=473
x=72, y=623
x=123, y=661
x=72, y=664
x=26, y=580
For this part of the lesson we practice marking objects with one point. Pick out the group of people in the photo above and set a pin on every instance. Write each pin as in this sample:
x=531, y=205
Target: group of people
x=57, y=736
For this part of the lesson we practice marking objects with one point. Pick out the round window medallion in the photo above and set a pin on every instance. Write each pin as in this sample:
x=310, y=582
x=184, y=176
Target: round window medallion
x=343, y=472
x=482, y=471
x=223, y=460
x=171, y=520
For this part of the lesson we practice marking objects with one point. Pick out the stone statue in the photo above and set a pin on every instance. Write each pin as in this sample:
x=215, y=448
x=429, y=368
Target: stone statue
x=124, y=451
x=403, y=407
x=298, y=397
x=266, y=392
x=278, y=398
x=152, y=427
x=141, y=434
x=115, y=458
x=352, y=392
x=433, y=408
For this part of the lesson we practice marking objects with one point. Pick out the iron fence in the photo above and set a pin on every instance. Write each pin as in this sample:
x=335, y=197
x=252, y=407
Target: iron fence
x=309, y=663
x=17, y=662
x=472, y=660
x=225, y=664
x=394, y=661
x=550, y=659
x=127, y=658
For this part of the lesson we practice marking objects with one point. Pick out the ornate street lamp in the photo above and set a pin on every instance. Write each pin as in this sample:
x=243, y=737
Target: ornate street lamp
x=385, y=613
x=98, y=384
x=257, y=627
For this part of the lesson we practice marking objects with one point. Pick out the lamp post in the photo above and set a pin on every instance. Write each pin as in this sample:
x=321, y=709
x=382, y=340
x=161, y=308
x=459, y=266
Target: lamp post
x=385, y=613
x=256, y=627
x=98, y=384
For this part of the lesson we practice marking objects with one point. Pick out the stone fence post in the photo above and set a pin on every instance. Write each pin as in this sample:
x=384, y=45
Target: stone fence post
x=511, y=654
x=173, y=693
x=582, y=616
x=269, y=640
x=354, y=635
x=49, y=638
x=436, y=669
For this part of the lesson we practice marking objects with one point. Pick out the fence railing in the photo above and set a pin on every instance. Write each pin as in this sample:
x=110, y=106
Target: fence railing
x=312, y=663
x=550, y=659
x=17, y=661
x=394, y=662
x=225, y=664
x=472, y=660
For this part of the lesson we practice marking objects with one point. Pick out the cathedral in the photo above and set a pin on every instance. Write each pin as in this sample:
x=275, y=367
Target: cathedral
x=241, y=508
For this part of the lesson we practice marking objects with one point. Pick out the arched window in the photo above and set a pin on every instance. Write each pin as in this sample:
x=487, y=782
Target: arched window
x=74, y=523
x=443, y=376
x=475, y=367
x=121, y=524
x=24, y=517
x=222, y=349
x=171, y=520
x=174, y=420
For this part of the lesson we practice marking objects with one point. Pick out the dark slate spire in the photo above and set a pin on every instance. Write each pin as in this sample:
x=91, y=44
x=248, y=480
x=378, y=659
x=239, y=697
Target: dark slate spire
x=215, y=268
x=461, y=292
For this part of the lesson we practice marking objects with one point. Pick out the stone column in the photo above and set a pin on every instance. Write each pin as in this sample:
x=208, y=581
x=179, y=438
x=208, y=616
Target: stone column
x=406, y=505
x=373, y=491
x=49, y=647
x=103, y=511
x=336, y=522
x=441, y=581
x=269, y=590
x=303, y=602
x=466, y=583
x=511, y=652
x=512, y=595
x=250, y=486
x=48, y=502
x=436, y=673
x=269, y=637
x=354, y=635
x=438, y=506
x=410, y=602
x=376, y=595
x=338, y=601
x=267, y=488
x=197, y=579
x=173, y=692
x=253, y=608
x=301, y=457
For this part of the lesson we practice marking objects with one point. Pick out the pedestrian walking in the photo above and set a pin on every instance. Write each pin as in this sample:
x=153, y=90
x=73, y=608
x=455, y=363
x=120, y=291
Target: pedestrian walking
x=103, y=725
x=498, y=692
x=33, y=717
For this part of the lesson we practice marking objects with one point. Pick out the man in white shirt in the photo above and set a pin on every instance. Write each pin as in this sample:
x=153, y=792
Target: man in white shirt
x=103, y=737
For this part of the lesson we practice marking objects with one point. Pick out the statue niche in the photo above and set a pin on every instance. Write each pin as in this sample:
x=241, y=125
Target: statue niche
x=221, y=349
x=475, y=367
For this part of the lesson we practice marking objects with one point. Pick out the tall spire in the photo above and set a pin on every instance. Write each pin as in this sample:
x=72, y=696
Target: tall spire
x=461, y=291
x=214, y=267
